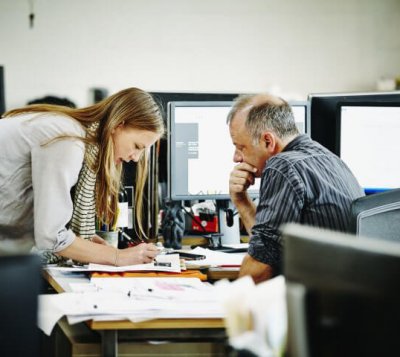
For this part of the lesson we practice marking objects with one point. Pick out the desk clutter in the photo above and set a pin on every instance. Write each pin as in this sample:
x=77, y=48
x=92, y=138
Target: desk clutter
x=169, y=287
x=133, y=299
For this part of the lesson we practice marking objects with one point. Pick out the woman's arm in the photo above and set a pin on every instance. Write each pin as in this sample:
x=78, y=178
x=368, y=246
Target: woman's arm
x=86, y=251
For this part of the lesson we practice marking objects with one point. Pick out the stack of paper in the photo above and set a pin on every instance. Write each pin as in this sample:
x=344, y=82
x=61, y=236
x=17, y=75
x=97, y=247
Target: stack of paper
x=136, y=299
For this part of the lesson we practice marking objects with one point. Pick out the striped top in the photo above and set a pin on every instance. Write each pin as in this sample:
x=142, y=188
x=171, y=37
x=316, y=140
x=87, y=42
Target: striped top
x=306, y=184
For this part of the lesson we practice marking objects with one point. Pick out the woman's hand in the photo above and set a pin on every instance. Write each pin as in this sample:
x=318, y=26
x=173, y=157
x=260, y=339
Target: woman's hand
x=140, y=254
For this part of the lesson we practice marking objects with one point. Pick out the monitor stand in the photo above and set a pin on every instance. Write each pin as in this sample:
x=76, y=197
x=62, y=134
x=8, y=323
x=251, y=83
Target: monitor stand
x=228, y=235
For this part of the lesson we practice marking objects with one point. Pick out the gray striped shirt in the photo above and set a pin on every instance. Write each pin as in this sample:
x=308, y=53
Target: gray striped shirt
x=307, y=184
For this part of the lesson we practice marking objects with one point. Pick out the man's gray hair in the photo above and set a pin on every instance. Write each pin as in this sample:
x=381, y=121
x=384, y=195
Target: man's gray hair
x=267, y=113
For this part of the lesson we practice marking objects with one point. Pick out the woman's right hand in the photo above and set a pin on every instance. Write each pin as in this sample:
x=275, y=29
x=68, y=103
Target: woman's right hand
x=139, y=254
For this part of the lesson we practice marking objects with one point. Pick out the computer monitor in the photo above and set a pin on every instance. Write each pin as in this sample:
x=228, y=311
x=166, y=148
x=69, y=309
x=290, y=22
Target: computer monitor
x=368, y=143
x=163, y=98
x=343, y=293
x=323, y=109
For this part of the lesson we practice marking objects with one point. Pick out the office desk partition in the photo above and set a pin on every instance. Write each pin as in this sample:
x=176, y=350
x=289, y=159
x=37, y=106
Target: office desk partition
x=112, y=332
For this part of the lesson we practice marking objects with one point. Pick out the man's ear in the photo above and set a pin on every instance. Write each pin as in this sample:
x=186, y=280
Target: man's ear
x=269, y=141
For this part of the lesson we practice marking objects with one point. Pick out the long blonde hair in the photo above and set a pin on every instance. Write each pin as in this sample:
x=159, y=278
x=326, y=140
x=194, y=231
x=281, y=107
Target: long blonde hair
x=136, y=109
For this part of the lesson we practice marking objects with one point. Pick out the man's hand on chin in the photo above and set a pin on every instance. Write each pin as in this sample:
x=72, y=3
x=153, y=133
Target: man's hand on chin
x=257, y=270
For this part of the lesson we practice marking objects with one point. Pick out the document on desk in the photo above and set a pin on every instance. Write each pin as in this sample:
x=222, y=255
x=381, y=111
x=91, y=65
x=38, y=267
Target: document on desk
x=215, y=258
x=136, y=299
x=162, y=263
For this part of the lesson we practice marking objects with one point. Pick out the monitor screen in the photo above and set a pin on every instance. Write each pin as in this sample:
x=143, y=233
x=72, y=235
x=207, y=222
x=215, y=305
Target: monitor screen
x=369, y=143
x=201, y=150
x=323, y=113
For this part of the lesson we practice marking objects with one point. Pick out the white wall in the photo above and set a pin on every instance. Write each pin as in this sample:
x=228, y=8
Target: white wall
x=290, y=47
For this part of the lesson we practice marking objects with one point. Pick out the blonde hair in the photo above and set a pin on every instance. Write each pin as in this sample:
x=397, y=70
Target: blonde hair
x=134, y=108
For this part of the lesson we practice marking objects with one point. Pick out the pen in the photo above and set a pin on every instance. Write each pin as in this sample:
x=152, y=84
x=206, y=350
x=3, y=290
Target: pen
x=129, y=237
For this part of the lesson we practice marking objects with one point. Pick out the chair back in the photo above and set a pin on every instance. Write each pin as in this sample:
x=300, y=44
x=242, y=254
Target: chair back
x=377, y=216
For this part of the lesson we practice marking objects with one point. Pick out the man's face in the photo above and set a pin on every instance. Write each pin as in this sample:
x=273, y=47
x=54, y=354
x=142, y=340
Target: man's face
x=245, y=150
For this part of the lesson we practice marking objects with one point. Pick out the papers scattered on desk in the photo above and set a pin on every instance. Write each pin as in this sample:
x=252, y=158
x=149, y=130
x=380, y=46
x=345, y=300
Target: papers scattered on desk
x=215, y=258
x=136, y=299
x=166, y=263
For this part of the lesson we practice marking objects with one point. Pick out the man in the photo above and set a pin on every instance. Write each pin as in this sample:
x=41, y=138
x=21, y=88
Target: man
x=301, y=181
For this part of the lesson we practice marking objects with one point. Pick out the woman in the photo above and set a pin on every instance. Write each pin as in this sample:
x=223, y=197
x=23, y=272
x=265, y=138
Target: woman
x=61, y=167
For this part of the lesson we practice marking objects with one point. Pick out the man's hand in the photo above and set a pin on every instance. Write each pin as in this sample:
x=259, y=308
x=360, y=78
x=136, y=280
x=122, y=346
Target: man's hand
x=257, y=270
x=241, y=177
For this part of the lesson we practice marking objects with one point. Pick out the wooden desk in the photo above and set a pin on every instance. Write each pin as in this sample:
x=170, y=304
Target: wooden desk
x=159, y=329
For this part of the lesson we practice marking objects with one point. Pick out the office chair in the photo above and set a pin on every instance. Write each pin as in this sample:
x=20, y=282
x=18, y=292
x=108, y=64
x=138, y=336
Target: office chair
x=20, y=281
x=343, y=293
x=377, y=216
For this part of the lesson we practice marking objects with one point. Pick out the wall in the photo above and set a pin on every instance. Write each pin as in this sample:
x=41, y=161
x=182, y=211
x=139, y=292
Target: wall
x=289, y=47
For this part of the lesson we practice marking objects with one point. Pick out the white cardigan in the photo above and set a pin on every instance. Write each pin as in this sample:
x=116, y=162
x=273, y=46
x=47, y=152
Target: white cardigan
x=36, y=180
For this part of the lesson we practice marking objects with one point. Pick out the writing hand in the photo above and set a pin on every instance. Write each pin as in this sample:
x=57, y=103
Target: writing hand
x=141, y=253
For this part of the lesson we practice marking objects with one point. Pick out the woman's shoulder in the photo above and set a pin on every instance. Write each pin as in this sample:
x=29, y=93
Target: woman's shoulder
x=41, y=126
x=60, y=123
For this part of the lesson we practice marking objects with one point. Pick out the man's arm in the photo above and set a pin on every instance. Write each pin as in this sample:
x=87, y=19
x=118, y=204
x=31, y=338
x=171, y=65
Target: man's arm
x=246, y=208
x=257, y=270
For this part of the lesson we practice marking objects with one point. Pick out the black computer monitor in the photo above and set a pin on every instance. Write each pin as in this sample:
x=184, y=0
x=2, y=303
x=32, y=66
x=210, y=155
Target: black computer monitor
x=163, y=98
x=343, y=293
x=323, y=111
x=368, y=142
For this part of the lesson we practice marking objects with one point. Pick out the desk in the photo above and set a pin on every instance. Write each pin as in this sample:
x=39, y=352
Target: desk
x=171, y=329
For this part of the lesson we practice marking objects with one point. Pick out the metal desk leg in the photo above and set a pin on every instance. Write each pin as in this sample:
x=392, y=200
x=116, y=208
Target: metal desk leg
x=109, y=343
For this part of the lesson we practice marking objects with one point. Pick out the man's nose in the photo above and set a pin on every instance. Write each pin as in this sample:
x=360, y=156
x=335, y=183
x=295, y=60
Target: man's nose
x=237, y=157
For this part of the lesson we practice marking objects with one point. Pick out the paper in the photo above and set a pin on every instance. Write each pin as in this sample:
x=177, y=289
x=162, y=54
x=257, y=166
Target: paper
x=259, y=322
x=216, y=258
x=136, y=299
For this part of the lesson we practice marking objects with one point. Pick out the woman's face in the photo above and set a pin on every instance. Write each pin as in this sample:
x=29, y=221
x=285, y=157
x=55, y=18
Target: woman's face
x=130, y=143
